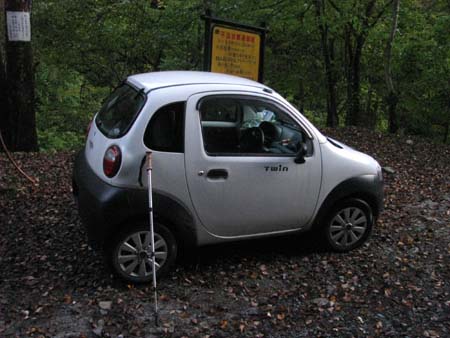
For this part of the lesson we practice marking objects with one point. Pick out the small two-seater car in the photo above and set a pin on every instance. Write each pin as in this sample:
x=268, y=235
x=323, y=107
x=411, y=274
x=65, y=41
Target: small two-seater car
x=232, y=160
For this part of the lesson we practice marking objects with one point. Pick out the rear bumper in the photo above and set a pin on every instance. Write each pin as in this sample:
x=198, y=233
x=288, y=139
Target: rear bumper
x=104, y=209
x=100, y=205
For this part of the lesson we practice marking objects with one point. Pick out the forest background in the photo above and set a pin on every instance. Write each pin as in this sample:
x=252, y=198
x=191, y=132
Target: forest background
x=377, y=64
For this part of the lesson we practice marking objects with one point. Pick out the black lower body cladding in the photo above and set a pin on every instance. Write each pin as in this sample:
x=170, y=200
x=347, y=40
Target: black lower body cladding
x=368, y=188
x=105, y=209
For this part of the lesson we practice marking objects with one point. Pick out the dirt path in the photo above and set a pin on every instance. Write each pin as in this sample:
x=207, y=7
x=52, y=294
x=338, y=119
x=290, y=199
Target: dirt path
x=53, y=285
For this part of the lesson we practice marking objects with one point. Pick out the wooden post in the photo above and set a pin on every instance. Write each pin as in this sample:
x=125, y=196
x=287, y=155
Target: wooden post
x=18, y=118
x=207, y=45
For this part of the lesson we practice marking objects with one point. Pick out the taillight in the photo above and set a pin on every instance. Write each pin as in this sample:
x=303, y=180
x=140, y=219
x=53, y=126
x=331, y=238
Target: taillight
x=112, y=161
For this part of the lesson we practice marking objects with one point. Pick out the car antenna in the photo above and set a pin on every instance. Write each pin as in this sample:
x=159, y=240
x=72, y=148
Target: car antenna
x=152, y=234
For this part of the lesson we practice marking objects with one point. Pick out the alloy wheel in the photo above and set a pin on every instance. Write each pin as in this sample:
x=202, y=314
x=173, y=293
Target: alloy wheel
x=134, y=254
x=348, y=226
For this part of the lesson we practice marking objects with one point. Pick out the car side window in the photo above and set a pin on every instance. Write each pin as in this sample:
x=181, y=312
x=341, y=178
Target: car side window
x=165, y=131
x=236, y=126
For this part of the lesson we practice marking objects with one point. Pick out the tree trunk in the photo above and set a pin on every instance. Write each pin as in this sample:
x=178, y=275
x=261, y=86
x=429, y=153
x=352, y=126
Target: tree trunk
x=328, y=57
x=447, y=127
x=354, y=81
x=347, y=62
x=18, y=120
x=370, y=114
x=354, y=41
x=392, y=96
x=3, y=89
x=332, y=115
x=300, y=97
x=3, y=85
x=447, y=124
x=392, y=100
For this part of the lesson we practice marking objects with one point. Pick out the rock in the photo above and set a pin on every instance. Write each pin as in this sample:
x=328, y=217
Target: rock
x=331, y=289
x=105, y=305
x=204, y=325
x=410, y=142
x=430, y=204
x=388, y=170
x=419, y=227
x=250, y=311
x=67, y=335
x=320, y=301
x=98, y=331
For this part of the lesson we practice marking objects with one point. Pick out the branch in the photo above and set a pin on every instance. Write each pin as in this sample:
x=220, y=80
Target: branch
x=380, y=14
x=272, y=5
x=302, y=14
x=33, y=180
x=430, y=6
x=337, y=9
x=368, y=14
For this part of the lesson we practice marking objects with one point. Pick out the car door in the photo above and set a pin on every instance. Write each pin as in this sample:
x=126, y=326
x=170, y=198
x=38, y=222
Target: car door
x=240, y=185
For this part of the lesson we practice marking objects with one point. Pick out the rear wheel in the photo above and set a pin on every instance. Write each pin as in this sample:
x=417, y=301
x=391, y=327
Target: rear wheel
x=349, y=225
x=130, y=253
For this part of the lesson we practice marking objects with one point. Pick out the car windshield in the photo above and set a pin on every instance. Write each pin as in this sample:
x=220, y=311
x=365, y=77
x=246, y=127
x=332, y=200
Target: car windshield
x=119, y=111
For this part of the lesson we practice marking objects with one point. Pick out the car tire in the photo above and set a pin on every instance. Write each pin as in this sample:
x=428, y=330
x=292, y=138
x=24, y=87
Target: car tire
x=130, y=252
x=348, y=225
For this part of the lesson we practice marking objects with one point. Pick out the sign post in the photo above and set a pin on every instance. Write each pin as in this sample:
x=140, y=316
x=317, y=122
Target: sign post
x=17, y=99
x=234, y=48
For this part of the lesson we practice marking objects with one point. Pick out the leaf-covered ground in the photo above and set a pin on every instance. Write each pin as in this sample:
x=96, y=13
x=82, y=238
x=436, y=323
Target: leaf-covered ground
x=53, y=285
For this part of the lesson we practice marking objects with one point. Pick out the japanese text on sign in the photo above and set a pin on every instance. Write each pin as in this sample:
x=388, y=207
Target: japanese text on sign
x=235, y=52
x=18, y=25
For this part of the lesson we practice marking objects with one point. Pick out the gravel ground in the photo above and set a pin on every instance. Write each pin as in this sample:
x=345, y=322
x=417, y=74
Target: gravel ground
x=398, y=284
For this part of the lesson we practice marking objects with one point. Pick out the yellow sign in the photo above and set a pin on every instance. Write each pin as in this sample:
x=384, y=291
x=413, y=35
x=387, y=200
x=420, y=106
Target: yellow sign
x=235, y=52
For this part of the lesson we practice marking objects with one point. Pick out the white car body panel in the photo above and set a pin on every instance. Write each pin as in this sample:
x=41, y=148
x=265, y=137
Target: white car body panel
x=224, y=211
x=251, y=200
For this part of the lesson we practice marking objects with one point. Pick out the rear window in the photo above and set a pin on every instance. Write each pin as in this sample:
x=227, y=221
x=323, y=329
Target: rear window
x=165, y=131
x=119, y=111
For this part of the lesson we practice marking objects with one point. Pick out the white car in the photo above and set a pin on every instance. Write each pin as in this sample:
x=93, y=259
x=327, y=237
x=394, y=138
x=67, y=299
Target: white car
x=232, y=160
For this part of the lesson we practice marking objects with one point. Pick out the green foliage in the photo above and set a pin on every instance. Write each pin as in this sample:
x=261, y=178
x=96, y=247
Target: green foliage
x=66, y=103
x=55, y=140
x=423, y=69
x=85, y=48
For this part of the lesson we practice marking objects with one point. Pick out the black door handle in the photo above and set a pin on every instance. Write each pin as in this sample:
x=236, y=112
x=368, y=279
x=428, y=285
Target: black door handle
x=217, y=174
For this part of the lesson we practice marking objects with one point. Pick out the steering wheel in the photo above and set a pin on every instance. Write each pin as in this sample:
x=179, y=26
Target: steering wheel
x=252, y=140
x=272, y=133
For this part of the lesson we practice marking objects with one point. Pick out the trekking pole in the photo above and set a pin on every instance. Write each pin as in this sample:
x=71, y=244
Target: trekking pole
x=152, y=233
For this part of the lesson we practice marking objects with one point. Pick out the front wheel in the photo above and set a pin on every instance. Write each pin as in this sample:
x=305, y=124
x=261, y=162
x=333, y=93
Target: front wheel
x=349, y=225
x=130, y=253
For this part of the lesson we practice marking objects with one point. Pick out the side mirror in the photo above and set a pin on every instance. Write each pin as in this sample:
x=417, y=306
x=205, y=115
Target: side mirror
x=303, y=150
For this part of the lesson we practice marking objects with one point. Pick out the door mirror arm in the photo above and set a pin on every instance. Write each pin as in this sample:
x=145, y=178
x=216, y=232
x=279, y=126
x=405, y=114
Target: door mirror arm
x=303, y=150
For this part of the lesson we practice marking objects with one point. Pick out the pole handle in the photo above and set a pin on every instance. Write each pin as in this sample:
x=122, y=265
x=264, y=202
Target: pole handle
x=149, y=160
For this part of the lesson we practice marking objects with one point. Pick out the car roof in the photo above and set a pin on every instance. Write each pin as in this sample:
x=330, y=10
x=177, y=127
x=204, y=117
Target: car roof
x=150, y=81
